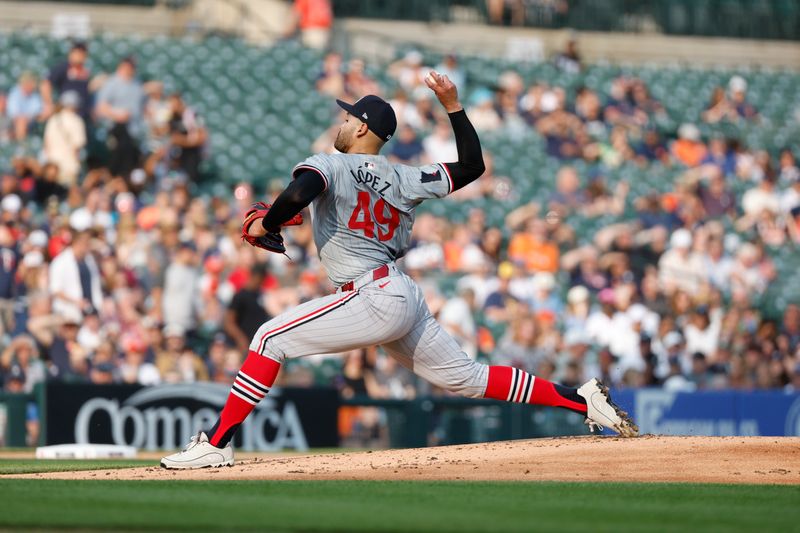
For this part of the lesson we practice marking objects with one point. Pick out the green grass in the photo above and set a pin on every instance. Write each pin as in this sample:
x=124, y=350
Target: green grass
x=29, y=466
x=344, y=506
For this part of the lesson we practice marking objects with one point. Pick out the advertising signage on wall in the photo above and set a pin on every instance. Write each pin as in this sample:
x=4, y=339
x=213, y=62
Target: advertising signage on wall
x=163, y=417
x=713, y=413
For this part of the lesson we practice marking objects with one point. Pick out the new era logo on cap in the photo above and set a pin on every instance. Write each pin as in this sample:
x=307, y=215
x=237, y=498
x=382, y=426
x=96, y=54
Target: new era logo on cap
x=375, y=112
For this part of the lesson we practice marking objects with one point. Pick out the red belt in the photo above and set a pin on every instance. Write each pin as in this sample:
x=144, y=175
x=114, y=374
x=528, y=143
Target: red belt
x=379, y=273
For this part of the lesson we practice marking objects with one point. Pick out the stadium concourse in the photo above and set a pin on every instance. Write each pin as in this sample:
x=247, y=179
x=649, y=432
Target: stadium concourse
x=639, y=224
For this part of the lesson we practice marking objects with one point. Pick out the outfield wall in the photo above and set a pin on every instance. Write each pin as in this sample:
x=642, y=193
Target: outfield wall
x=164, y=416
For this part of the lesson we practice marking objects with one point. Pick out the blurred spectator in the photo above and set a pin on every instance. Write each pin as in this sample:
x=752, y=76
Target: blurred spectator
x=449, y=67
x=721, y=156
x=392, y=380
x=702, y=331
x=9, y=262
x=440, y=146
x=21, y=355
x=177, y=363
x=680, y=267
x=66, y=359
x=564, y=133
x=544, y=296
x=133, y=368
x=788, y=173
x=569, y=59
x=577, y=310
x=314, y=19
x=456, y=318
x=718, y=264
x=482, y=113
x=500, y=305
x=75, y=278
x=689, y=150
x=737, y=88
x=790, y=208
x=409, y=71
x=407, y=148
x=104, y=369
x=748, y=276
x=534, y=249
x=181, y=299
x=518, y=347
x=357, y=82
x=64, y=138
x=568, y=196
x=120, y=102
x=497, y=11
x=331, y=80
x=719, y=107
x=187, y=138
x=717, y=199
x=6, y=124
x=246, y=312
x=24, y=105
x=69, y=75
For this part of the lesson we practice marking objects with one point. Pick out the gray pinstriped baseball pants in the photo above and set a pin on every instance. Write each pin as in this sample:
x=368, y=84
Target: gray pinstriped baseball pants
x=389, y=312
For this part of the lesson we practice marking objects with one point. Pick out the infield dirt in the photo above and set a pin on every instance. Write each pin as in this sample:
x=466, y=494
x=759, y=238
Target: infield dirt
x=771, y=460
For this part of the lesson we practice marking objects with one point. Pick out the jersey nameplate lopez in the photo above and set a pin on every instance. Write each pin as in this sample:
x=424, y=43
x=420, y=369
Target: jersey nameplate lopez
x=363, y=175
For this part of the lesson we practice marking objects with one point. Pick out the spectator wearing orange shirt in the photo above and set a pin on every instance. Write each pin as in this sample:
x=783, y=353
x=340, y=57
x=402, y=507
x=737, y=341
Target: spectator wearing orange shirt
x=533, y=248
x=689, y=149
x=314, y=19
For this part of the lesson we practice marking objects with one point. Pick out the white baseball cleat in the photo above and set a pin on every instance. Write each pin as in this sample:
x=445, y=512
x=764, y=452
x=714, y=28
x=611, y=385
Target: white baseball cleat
x=602, y=412
x=199, y=453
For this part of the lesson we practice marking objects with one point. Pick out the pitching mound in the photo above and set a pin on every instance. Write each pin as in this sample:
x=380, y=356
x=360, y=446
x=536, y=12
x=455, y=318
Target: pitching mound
x=649, y=458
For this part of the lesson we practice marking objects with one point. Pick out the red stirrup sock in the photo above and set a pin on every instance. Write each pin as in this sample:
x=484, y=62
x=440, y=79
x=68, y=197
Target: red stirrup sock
x=514, y=385
x=252, y=383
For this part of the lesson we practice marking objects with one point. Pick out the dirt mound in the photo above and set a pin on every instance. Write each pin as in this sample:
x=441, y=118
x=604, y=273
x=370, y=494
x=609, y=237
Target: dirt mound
x=648, y=458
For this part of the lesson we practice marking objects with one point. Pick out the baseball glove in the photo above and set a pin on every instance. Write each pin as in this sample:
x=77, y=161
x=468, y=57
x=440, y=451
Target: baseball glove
x=272, y=240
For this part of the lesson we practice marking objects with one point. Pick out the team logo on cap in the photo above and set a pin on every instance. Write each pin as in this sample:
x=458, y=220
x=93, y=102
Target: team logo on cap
x=364, y=115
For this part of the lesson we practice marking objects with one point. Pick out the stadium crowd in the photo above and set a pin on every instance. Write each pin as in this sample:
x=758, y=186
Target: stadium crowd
x=112, y=269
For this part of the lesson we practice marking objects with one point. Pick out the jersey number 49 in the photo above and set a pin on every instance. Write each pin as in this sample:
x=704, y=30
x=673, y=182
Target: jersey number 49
x=363, y=217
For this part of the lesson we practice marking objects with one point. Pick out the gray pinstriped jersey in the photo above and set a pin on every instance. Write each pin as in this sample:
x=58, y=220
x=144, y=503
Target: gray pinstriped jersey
x=363, y=218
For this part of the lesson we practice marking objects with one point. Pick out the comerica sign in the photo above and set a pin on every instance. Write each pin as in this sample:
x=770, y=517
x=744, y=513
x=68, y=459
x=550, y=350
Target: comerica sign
x=163, y=417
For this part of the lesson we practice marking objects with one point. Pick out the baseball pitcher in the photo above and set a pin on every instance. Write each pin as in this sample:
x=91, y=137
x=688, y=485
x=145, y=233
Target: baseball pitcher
x=362, y=208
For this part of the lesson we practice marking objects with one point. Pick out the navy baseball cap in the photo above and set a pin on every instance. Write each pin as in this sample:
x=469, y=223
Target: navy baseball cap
x=376, y=113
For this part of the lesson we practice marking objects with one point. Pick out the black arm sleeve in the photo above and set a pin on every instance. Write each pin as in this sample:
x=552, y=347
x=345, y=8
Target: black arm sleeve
x=470, y=164
x=300, y=192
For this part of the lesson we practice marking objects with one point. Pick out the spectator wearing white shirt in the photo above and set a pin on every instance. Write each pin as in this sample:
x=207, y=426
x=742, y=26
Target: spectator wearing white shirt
x=702, y=331
x=64, y=137
x=680, y=267
x=456, y=318
x=598, y=325
x=718, y=264
x=409, y=71
x=761, y=197
x=440, y=145
x=746, y=276
x=75, y=278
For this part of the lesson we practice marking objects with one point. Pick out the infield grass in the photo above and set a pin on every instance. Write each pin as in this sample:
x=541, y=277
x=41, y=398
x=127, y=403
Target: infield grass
x=407, y=506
